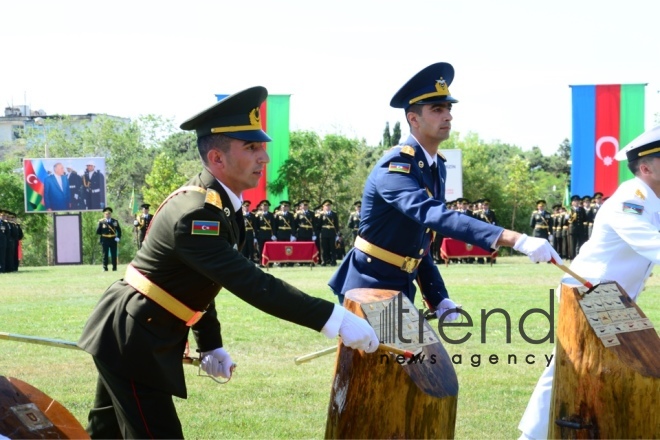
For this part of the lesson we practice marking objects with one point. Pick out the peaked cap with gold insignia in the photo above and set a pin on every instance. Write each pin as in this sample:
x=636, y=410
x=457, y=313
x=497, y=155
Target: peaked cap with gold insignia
x=429, y=86
x=236, y=116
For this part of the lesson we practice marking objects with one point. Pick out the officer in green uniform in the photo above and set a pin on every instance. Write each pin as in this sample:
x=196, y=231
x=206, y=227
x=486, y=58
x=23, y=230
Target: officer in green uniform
x=110, y=233
x=575, y=222
x=138, y=331
x=141, y=223
x=354, y=220
x=541, y=221
x=304, y=222
x=248, y=250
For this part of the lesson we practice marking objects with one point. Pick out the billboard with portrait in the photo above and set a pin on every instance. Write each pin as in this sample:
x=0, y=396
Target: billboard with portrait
x=64, y=184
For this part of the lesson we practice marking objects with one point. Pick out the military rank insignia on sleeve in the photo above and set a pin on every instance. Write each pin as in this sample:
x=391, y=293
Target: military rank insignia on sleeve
x=631, y=208
x=399, y=167
x=203, y=227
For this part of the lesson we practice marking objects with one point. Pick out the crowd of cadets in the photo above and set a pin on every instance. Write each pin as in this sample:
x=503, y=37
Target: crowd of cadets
x=10, y=235
x=566, y=228
x=319, y=224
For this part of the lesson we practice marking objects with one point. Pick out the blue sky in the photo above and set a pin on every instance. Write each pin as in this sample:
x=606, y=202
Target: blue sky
x=340, y=60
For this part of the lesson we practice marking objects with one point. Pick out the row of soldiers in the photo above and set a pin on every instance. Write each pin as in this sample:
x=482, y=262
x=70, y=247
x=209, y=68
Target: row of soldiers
x=11, y=234
x=319, y=224
x=566, y=229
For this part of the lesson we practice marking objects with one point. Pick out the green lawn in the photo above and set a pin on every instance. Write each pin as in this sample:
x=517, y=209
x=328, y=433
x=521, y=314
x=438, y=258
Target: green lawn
x=269, y=396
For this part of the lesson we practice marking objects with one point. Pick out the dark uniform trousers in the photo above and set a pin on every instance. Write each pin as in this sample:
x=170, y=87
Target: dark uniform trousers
x=133, y=403
x=108, y=233
x=328, y=224
x=248, y=250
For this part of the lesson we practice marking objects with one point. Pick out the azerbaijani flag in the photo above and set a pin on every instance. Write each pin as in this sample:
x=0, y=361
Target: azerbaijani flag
x=203, y=227
x=274, y=114
x=35, y=175
x=605, y=119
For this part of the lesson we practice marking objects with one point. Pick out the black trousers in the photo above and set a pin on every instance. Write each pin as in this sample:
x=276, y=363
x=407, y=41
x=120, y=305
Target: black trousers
x=126, y=409
x=328, y=250
x=111, y=245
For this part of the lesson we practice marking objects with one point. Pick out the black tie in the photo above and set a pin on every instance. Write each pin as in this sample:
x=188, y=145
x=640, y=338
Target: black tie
x=434, y=174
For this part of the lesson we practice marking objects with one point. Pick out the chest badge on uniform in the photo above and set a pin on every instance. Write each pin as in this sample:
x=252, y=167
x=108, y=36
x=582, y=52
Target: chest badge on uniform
x=227, y=212
x=421, y=164
x=203, y=227
x=399, y=167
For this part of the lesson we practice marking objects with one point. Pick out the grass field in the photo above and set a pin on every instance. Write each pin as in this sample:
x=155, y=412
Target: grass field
x=269, y=396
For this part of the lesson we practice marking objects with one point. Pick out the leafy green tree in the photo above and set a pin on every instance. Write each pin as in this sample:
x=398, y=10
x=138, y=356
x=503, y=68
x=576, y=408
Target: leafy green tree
x=387, y=137
x=163, y=179
x=519, y=190
x=396, y=134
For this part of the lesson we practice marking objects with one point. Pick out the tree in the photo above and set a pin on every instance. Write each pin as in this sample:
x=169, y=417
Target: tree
x=387, y=138
x=519, y=190
x=320, y=168
x=163, y=179
x=396, y=134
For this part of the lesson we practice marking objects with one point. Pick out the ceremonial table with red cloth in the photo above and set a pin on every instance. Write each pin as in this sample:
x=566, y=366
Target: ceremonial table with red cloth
x=459, y=249
x=289, y=252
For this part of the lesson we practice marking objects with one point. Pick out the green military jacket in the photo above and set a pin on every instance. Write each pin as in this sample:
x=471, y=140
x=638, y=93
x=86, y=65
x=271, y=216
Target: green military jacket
x=142, y=341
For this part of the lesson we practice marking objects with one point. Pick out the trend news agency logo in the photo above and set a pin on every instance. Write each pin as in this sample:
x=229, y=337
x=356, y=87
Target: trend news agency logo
x=399, y=323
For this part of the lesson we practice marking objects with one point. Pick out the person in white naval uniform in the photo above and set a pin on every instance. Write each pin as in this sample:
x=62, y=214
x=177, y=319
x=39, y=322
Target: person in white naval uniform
x=624, y=247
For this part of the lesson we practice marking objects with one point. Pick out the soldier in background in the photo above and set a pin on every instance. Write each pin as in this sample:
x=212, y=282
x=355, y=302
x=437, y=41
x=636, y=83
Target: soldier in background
x=463, y=206
x=556, y=227
x=541, y=221
x=94, y=183
x=563, y=253
x=593, y=210
x=76, y=189
x=354, y=220
x=484, y=213
x=250, y=245
x=304, y=222
x=141, y=223
x=4, y=239
x=284, y=224
x=110, y=233
x=575, y=220
x=263, y=224
x=327, y=227
x=588, y=218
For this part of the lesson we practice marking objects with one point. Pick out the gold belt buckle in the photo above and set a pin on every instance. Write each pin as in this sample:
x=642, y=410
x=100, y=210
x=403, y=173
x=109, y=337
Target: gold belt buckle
x=409, y=264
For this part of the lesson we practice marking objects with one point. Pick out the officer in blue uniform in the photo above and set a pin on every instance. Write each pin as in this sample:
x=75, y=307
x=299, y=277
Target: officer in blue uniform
x=404, y=202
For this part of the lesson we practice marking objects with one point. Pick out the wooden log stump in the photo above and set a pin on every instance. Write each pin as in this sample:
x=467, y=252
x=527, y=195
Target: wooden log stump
x=28, y=413
x=374, y=396
x=606, y=382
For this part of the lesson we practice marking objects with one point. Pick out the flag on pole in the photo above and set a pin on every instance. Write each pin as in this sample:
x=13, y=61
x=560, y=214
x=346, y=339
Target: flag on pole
x=274, y=114
x=133, y=204
x=605, y=119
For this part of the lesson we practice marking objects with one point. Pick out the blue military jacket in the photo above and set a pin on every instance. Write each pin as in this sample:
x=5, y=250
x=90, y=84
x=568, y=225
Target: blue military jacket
x=399, y=213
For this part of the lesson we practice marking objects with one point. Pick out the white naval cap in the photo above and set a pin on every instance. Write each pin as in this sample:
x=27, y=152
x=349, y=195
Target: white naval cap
x=646, y=144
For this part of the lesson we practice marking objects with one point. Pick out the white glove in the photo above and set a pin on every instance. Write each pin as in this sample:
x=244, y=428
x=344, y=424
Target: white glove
x=336, y=238
x=255, y=242
x=537, y=249
x=217, y=363
x=117, y=239
x=75, y=196
x=313, y=237
x=356, y=333
x=293, y=238
x=135, y=223
x=273, y=238
x=447, y=304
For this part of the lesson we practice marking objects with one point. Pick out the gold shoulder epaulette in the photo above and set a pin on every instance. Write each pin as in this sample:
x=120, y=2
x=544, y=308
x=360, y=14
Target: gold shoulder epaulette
x=640, y=194
x=213, y=198
x=441, y=156
x=407, y=149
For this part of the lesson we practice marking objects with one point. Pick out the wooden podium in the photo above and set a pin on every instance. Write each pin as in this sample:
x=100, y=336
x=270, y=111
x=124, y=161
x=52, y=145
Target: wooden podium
x=374, y=396
x=28, y=413
x=607, y=375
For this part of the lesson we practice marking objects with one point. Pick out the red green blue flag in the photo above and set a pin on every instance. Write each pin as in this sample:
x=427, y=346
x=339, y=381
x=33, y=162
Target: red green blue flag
x=274, y=114
x=605, y=119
